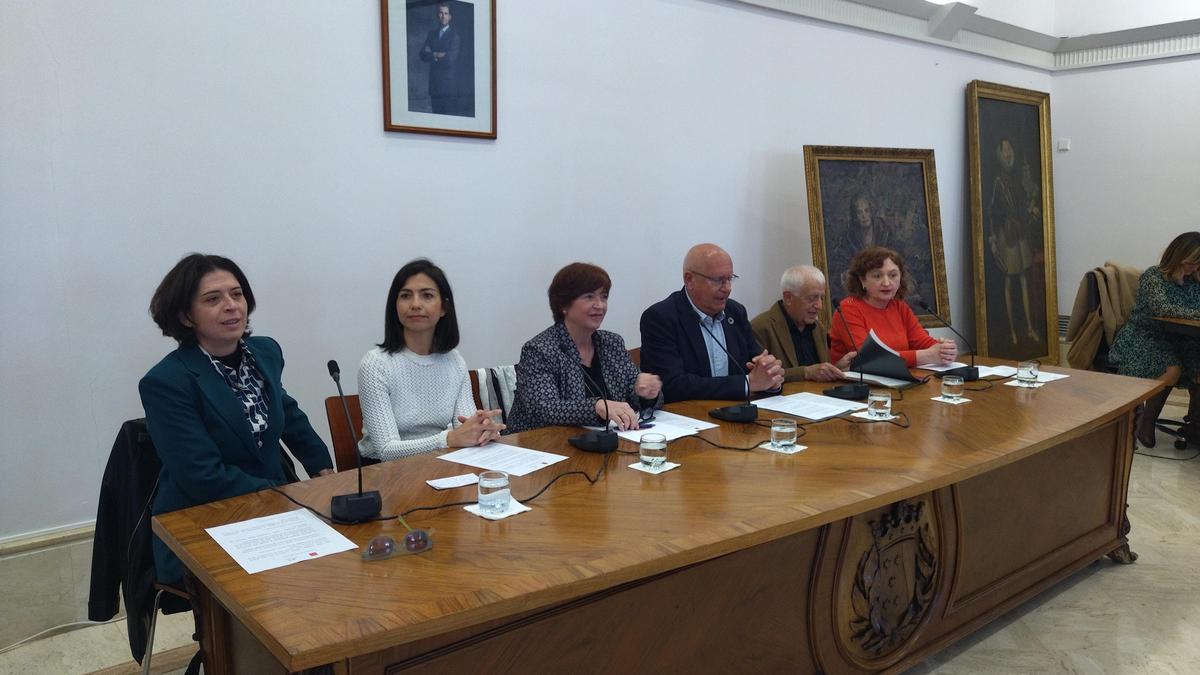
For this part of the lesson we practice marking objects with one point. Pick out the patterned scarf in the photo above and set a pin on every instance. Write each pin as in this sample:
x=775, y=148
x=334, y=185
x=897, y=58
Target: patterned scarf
x=247, y=384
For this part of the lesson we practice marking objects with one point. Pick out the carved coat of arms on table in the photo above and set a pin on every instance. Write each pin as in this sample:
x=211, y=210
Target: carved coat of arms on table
x=894, y=580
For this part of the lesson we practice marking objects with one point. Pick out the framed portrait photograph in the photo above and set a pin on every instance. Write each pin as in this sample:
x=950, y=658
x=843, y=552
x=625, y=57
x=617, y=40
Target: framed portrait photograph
x=439, y=67
x=1012, y=222
x=863, y=197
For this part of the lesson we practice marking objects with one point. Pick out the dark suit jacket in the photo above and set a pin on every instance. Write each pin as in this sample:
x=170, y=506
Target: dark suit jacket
x=442, y=73
x=204, y=440
x=771, y=330
x=550, y=386
x=673, y=348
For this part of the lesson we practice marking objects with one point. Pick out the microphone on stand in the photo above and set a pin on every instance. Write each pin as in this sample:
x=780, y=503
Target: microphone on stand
x=969, y=373
x=856, y=391
x=352, y=508
x=596, y=441
x=742, y=412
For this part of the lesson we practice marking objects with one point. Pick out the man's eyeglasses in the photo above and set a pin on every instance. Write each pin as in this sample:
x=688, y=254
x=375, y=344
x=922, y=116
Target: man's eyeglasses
x=717, y=281
x=645, y=416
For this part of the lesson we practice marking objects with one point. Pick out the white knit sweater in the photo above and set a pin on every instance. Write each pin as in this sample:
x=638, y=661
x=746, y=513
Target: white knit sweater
x=409, y=402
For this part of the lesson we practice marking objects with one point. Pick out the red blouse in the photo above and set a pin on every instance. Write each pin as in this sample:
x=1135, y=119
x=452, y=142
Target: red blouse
x=895, y=325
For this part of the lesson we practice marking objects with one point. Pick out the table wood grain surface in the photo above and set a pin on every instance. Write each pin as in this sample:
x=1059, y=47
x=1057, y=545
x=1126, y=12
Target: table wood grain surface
x=579, y=539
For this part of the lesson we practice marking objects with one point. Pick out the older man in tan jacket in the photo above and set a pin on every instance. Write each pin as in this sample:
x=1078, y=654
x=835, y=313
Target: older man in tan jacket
x=789, y=329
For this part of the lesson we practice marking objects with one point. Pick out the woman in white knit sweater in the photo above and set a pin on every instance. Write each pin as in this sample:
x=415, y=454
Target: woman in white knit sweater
x=413, y=387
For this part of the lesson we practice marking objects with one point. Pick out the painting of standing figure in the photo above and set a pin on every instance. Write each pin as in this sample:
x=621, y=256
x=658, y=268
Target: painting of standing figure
x=1012, y=222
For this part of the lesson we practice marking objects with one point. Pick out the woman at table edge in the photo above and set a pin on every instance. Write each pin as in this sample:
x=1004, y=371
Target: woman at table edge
x=878, y=281
x=1142, y=348
x=215, y=407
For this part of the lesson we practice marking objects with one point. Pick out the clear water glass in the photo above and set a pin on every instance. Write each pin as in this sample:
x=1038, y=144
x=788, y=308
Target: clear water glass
x=783, y=433
x=1027, y=373
x=652, y=450
x=952, y=387
x=879, y=405
x=494, y=493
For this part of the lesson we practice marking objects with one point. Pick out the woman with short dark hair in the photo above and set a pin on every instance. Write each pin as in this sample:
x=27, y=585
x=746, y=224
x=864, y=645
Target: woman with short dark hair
x=216, y=407
x=573, y=373
x=1142, y=348
x=877, y=282
x=413, y=387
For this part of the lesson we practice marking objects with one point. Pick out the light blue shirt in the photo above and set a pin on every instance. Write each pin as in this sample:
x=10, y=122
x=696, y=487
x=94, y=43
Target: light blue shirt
x=714, y=339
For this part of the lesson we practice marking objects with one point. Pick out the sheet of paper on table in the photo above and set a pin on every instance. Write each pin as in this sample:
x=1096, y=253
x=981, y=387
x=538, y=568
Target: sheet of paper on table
x=809, y=406
x=453, y=481
x=941, y=367
x=495, y=456
x=282, y=539
x=670, y=425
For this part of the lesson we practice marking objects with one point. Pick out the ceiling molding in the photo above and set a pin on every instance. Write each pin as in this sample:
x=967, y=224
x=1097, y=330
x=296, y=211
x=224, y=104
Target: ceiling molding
x=956, y=25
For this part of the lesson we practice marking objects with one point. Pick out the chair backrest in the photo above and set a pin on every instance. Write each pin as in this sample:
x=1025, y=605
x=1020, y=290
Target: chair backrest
x=344, y=449
x=475, y=389
x=635, y=355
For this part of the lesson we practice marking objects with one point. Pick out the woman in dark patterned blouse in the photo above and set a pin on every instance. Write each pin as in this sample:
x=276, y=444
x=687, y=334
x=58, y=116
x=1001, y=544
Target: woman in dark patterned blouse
x=571, y=371
x=1142, y=348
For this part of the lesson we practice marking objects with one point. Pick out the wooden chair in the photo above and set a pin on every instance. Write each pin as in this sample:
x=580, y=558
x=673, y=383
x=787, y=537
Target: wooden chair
x=475, y=388
x=635, y=355
x=344, y=448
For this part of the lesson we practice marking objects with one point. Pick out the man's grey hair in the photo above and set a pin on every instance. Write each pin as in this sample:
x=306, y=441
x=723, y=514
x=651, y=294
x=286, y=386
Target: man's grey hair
x=794, y=278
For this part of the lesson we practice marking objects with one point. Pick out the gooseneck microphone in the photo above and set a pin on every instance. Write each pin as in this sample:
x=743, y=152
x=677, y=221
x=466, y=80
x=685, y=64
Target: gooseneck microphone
x=856, y=391
x=742, y=412
x=352, y=508
x=969, y=373
x=596, y=441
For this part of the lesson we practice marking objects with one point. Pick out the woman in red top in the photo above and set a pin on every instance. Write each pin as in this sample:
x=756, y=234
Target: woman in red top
x=876, y=281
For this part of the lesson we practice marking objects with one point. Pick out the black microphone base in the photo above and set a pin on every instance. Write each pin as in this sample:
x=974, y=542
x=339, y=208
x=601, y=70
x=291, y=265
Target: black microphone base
x=849, y=392
x=745, y=412
x=595, y=441
x=356, y=507
x=967, y=373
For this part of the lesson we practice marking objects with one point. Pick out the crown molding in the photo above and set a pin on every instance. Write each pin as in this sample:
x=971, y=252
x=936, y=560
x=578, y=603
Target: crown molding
x=957, y=26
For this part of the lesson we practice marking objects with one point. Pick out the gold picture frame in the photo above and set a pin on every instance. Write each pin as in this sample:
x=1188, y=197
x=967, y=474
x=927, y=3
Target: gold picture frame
x=439, y=67
x=1012, y=222
x=898, y=188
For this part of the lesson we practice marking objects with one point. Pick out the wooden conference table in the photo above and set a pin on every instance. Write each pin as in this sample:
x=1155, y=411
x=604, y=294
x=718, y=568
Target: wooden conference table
x=869, y=551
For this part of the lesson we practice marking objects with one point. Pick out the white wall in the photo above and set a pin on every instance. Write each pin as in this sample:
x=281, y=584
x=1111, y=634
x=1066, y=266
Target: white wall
x=1131, y=180
x=134, y=132
x=1086, y=17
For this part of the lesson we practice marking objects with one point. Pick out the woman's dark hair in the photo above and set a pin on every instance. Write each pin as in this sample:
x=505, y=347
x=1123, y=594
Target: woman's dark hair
x=871, y=259
x=173, y=298
x=445, y=334
x=1183, y=250
x=573, y=281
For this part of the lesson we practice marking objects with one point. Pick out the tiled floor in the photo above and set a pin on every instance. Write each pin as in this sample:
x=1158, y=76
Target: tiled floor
x=1108, y=618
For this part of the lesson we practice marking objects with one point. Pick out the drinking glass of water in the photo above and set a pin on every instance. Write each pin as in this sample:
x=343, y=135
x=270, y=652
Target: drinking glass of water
x=783, y=433
x=1027, y=373
x=952, y=387
x=652, y=450
x=879, y=405
x=494, y=493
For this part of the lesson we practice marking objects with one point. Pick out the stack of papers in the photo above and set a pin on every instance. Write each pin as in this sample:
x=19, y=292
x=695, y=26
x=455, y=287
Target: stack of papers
x=810, y=406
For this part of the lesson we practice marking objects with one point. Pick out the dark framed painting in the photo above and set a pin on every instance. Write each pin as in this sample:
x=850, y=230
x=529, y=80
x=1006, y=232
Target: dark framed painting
x=862, y=197
x=439, y=67
x=1012, y=222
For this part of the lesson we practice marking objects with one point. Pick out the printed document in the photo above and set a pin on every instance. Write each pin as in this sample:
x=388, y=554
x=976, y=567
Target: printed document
x=274, y=541
x=810, y=406
x=497, y=456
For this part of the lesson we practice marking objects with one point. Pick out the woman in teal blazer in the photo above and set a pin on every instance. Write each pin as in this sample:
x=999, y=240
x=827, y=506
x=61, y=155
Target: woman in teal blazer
x=216, y=407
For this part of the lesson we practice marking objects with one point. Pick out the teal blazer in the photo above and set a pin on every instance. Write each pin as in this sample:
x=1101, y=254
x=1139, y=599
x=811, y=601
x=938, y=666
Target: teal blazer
x=204, y=440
